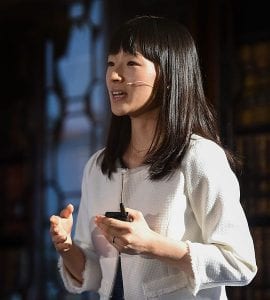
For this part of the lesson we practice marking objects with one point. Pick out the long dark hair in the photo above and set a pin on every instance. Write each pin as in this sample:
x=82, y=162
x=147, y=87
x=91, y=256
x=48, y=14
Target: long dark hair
x=179, y=93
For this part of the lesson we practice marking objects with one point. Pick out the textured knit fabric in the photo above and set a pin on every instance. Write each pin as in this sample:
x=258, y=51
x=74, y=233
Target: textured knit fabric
x=198, y=204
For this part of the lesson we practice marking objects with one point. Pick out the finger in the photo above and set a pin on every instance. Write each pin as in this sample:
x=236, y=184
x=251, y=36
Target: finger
x=99, y=221
x=111, y=222
x=119, y=245
x=60, y=239
x=67, y=211
x=56, y=239
x=119, y=241
x=107, y=235
x=63, y=247
x=54, y=230
x=108, y=232
x=70, y=207
x=54, y=220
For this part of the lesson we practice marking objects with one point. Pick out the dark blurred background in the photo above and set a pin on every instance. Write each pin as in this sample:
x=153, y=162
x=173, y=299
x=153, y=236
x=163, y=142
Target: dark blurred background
x=54, y=114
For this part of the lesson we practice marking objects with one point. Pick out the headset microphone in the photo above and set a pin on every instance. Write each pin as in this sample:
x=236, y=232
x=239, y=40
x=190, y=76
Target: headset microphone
x=139, y=83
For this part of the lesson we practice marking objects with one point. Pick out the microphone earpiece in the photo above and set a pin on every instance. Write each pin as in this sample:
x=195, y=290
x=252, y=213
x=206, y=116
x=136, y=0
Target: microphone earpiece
x=139, y=83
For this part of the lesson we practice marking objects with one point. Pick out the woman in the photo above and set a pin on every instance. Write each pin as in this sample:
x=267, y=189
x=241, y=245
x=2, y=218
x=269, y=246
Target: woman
x=187, y=236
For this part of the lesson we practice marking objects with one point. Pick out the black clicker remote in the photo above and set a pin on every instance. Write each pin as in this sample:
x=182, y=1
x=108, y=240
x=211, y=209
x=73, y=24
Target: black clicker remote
x=121, y=215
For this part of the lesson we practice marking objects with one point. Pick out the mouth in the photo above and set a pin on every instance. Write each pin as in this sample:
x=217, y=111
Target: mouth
x=118, y=95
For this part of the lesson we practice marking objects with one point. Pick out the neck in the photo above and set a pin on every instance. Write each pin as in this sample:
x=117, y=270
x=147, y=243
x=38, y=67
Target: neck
x=143, y=132
x=142, y=139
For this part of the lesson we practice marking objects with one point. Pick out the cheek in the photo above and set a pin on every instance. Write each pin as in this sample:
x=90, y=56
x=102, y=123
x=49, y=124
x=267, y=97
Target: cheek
x=143, y=95
x=107, y=78
x=151, y=76
x=131, y=77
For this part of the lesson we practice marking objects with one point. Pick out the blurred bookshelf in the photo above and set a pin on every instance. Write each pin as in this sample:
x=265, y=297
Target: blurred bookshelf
x=16, y=169
x=20, y=130
x=252, y=142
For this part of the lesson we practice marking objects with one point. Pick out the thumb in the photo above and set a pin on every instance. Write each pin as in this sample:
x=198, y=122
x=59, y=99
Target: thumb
x=134, y=214
x=67, y=211
x=70, y=207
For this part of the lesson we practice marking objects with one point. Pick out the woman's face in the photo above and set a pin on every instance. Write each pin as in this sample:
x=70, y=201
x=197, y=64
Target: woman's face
x=130, y=80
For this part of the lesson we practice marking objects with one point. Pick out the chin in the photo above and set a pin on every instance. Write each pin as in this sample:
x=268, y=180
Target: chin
x=119, y=113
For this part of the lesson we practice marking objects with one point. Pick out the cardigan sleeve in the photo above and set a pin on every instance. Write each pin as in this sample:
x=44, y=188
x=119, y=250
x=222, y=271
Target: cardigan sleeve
x=82, y=238
x=225, y=255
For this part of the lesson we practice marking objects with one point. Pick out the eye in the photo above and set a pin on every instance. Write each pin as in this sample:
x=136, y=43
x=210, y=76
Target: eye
x=110, y=64
x=132, y=63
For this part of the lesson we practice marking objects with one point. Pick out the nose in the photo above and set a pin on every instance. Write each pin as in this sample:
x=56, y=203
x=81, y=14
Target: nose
x=115, y=76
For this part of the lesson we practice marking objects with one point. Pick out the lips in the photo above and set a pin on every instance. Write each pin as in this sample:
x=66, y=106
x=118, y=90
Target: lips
x=118, y=94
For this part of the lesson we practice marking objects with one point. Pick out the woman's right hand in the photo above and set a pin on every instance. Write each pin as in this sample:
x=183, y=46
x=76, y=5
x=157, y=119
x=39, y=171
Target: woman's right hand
x=60, y=229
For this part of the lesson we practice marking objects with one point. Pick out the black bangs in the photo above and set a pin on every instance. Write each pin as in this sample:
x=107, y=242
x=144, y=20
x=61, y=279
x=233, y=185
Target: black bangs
x=139, y=36
x=124, y=39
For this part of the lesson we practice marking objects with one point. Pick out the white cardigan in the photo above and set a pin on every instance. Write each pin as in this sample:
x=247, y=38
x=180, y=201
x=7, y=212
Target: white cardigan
x=199, y=204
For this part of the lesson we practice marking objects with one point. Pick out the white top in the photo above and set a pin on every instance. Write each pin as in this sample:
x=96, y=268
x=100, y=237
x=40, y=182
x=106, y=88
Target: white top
x=199, y=204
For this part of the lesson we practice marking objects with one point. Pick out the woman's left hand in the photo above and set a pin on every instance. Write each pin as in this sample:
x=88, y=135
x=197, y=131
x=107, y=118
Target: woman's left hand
x=134, y=237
